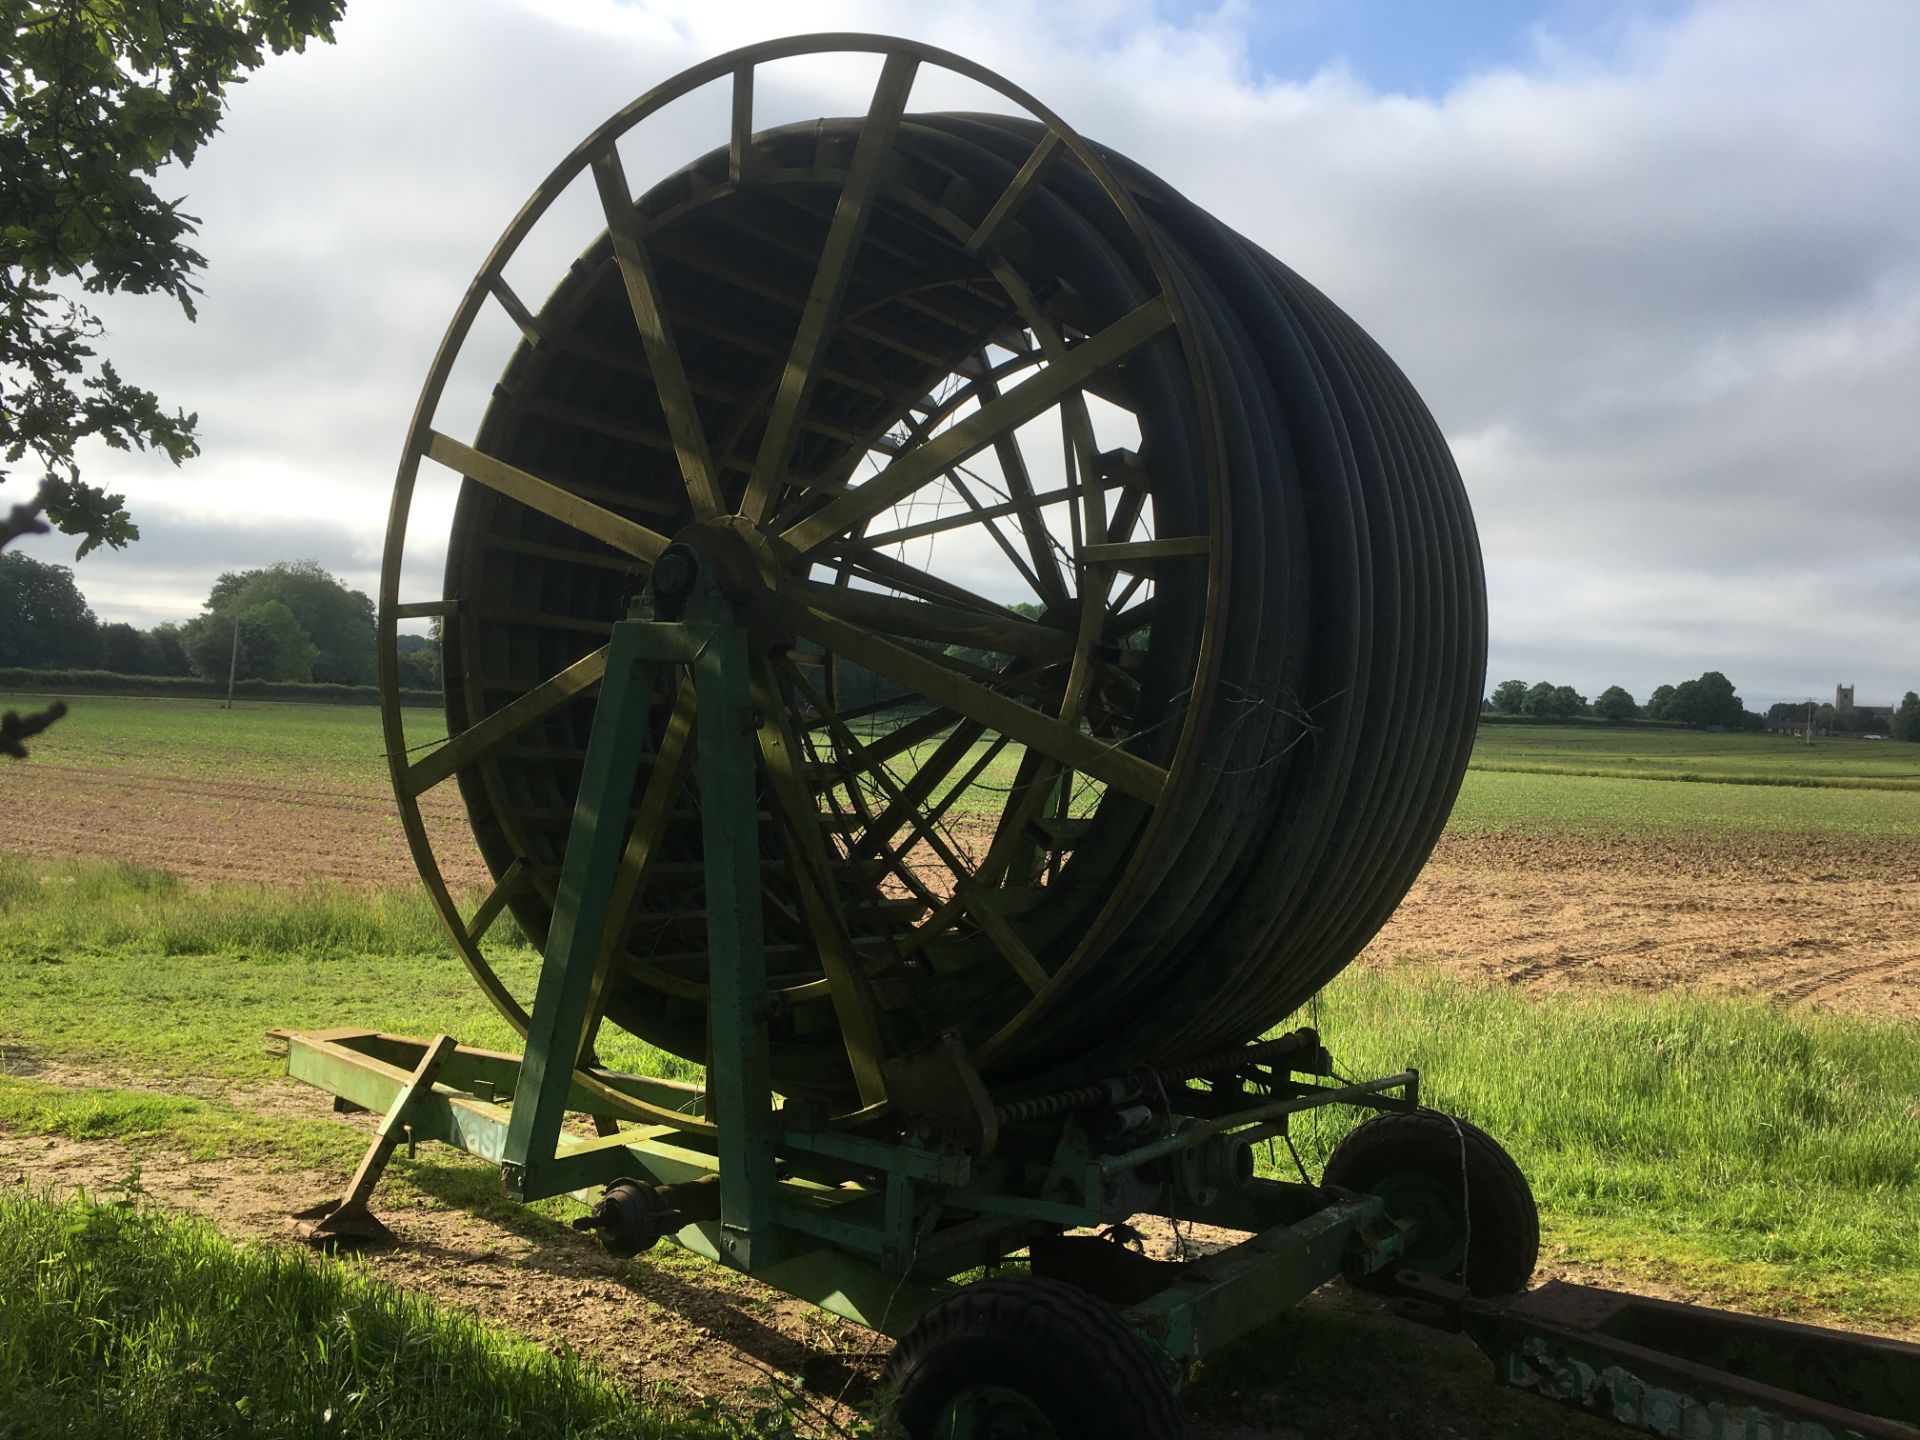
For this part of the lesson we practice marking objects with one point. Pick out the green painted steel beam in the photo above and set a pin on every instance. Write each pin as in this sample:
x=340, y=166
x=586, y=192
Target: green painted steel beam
x=470, y=1070
x=559, y=1015
x=740, y=1085
x=1225, y=1295
x=933, y=1166
x=1307, y=1097
x=839, y=1283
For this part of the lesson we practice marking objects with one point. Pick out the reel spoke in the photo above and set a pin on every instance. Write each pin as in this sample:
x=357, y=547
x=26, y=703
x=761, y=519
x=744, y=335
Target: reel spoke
x=923, y=620
x=871, y=565
x=926, y=676
x=968, y=437
x=629, y=536
x=483, y=737
x=656, y=334
x=829, y=283
x=811, y=869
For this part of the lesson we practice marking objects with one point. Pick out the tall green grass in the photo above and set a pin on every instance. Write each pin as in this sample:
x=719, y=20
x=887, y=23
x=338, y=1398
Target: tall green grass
x=101, y=906
x=119, y=1321
x=114, y=963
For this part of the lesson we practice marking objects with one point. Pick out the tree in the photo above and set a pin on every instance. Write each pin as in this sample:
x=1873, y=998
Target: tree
x=1509, y=696
x=170, y=657
x=419, y=657
x=1567, y=702
x=1553, y=702
x=270, y=631
x=47, y=622
x=1660, y=703
x=1906, y=719
x=127, y=651
x=1709, y=700
x=1615, y=704
x=338, y=621
x=94, y=99
x=271, y=644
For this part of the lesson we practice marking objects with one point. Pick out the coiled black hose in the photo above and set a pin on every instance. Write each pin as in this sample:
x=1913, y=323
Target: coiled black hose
x=1347, y=623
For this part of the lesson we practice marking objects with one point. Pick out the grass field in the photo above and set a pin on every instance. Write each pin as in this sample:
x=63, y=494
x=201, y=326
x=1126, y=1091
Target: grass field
x=265, y=739
x=257, y=741
x=1548, y=801
x=117, y=1320
x=1694, y=755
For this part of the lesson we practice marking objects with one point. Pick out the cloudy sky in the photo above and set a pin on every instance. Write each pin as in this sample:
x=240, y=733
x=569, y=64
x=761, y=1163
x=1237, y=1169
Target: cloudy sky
x=1656, y=270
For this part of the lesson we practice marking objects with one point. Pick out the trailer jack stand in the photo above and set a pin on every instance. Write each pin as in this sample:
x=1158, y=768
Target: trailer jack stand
x=347, y=1223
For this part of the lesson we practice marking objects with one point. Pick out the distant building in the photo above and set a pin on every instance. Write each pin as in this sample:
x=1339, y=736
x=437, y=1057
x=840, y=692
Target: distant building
x=1843, y=705
x=1793, y=718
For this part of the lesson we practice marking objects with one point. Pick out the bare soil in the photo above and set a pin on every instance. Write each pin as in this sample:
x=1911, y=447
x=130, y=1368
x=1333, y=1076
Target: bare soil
x=1828, y=921
x=239, y=830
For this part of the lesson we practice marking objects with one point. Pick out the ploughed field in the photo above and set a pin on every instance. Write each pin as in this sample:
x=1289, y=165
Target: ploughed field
x=1576, y=855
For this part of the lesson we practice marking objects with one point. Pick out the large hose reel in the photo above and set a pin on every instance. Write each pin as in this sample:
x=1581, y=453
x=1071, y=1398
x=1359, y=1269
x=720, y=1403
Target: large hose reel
x=1120, y=626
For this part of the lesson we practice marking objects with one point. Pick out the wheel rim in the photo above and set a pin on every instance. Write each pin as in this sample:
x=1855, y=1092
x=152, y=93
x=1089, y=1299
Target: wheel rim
x=1057, y=667
x=994, y=1412
x=1431, y=1211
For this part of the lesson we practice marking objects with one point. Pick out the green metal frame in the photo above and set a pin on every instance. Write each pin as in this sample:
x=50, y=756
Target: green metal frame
x=870, y=1229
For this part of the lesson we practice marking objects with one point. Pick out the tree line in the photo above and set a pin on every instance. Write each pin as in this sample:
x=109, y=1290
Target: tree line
x=291, y=620
x=1708, y=702
x=1906, y=718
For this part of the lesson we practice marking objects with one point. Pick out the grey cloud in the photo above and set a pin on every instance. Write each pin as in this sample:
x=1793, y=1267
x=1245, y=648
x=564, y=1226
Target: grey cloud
x=1664, y=300
x=166, y=574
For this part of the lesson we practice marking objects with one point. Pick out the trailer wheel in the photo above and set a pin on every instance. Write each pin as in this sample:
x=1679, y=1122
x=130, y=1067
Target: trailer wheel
x=1026, y=1359
x=1489, y=1230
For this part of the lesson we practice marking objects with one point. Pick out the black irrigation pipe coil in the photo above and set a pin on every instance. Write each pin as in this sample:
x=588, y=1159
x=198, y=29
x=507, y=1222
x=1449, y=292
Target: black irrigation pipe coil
x=1347, y=612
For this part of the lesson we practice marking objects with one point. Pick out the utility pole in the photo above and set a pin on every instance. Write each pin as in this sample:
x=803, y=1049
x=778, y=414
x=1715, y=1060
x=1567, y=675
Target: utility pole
x=233, y=661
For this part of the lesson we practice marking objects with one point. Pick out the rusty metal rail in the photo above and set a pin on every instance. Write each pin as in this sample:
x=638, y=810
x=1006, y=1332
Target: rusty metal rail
x=1685, y=1370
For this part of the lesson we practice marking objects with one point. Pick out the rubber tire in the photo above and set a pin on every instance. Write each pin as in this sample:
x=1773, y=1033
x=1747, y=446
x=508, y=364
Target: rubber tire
x=1504, y=1239
x=1066, y=1351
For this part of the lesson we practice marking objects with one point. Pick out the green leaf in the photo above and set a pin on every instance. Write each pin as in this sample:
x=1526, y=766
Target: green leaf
x=96, y=97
